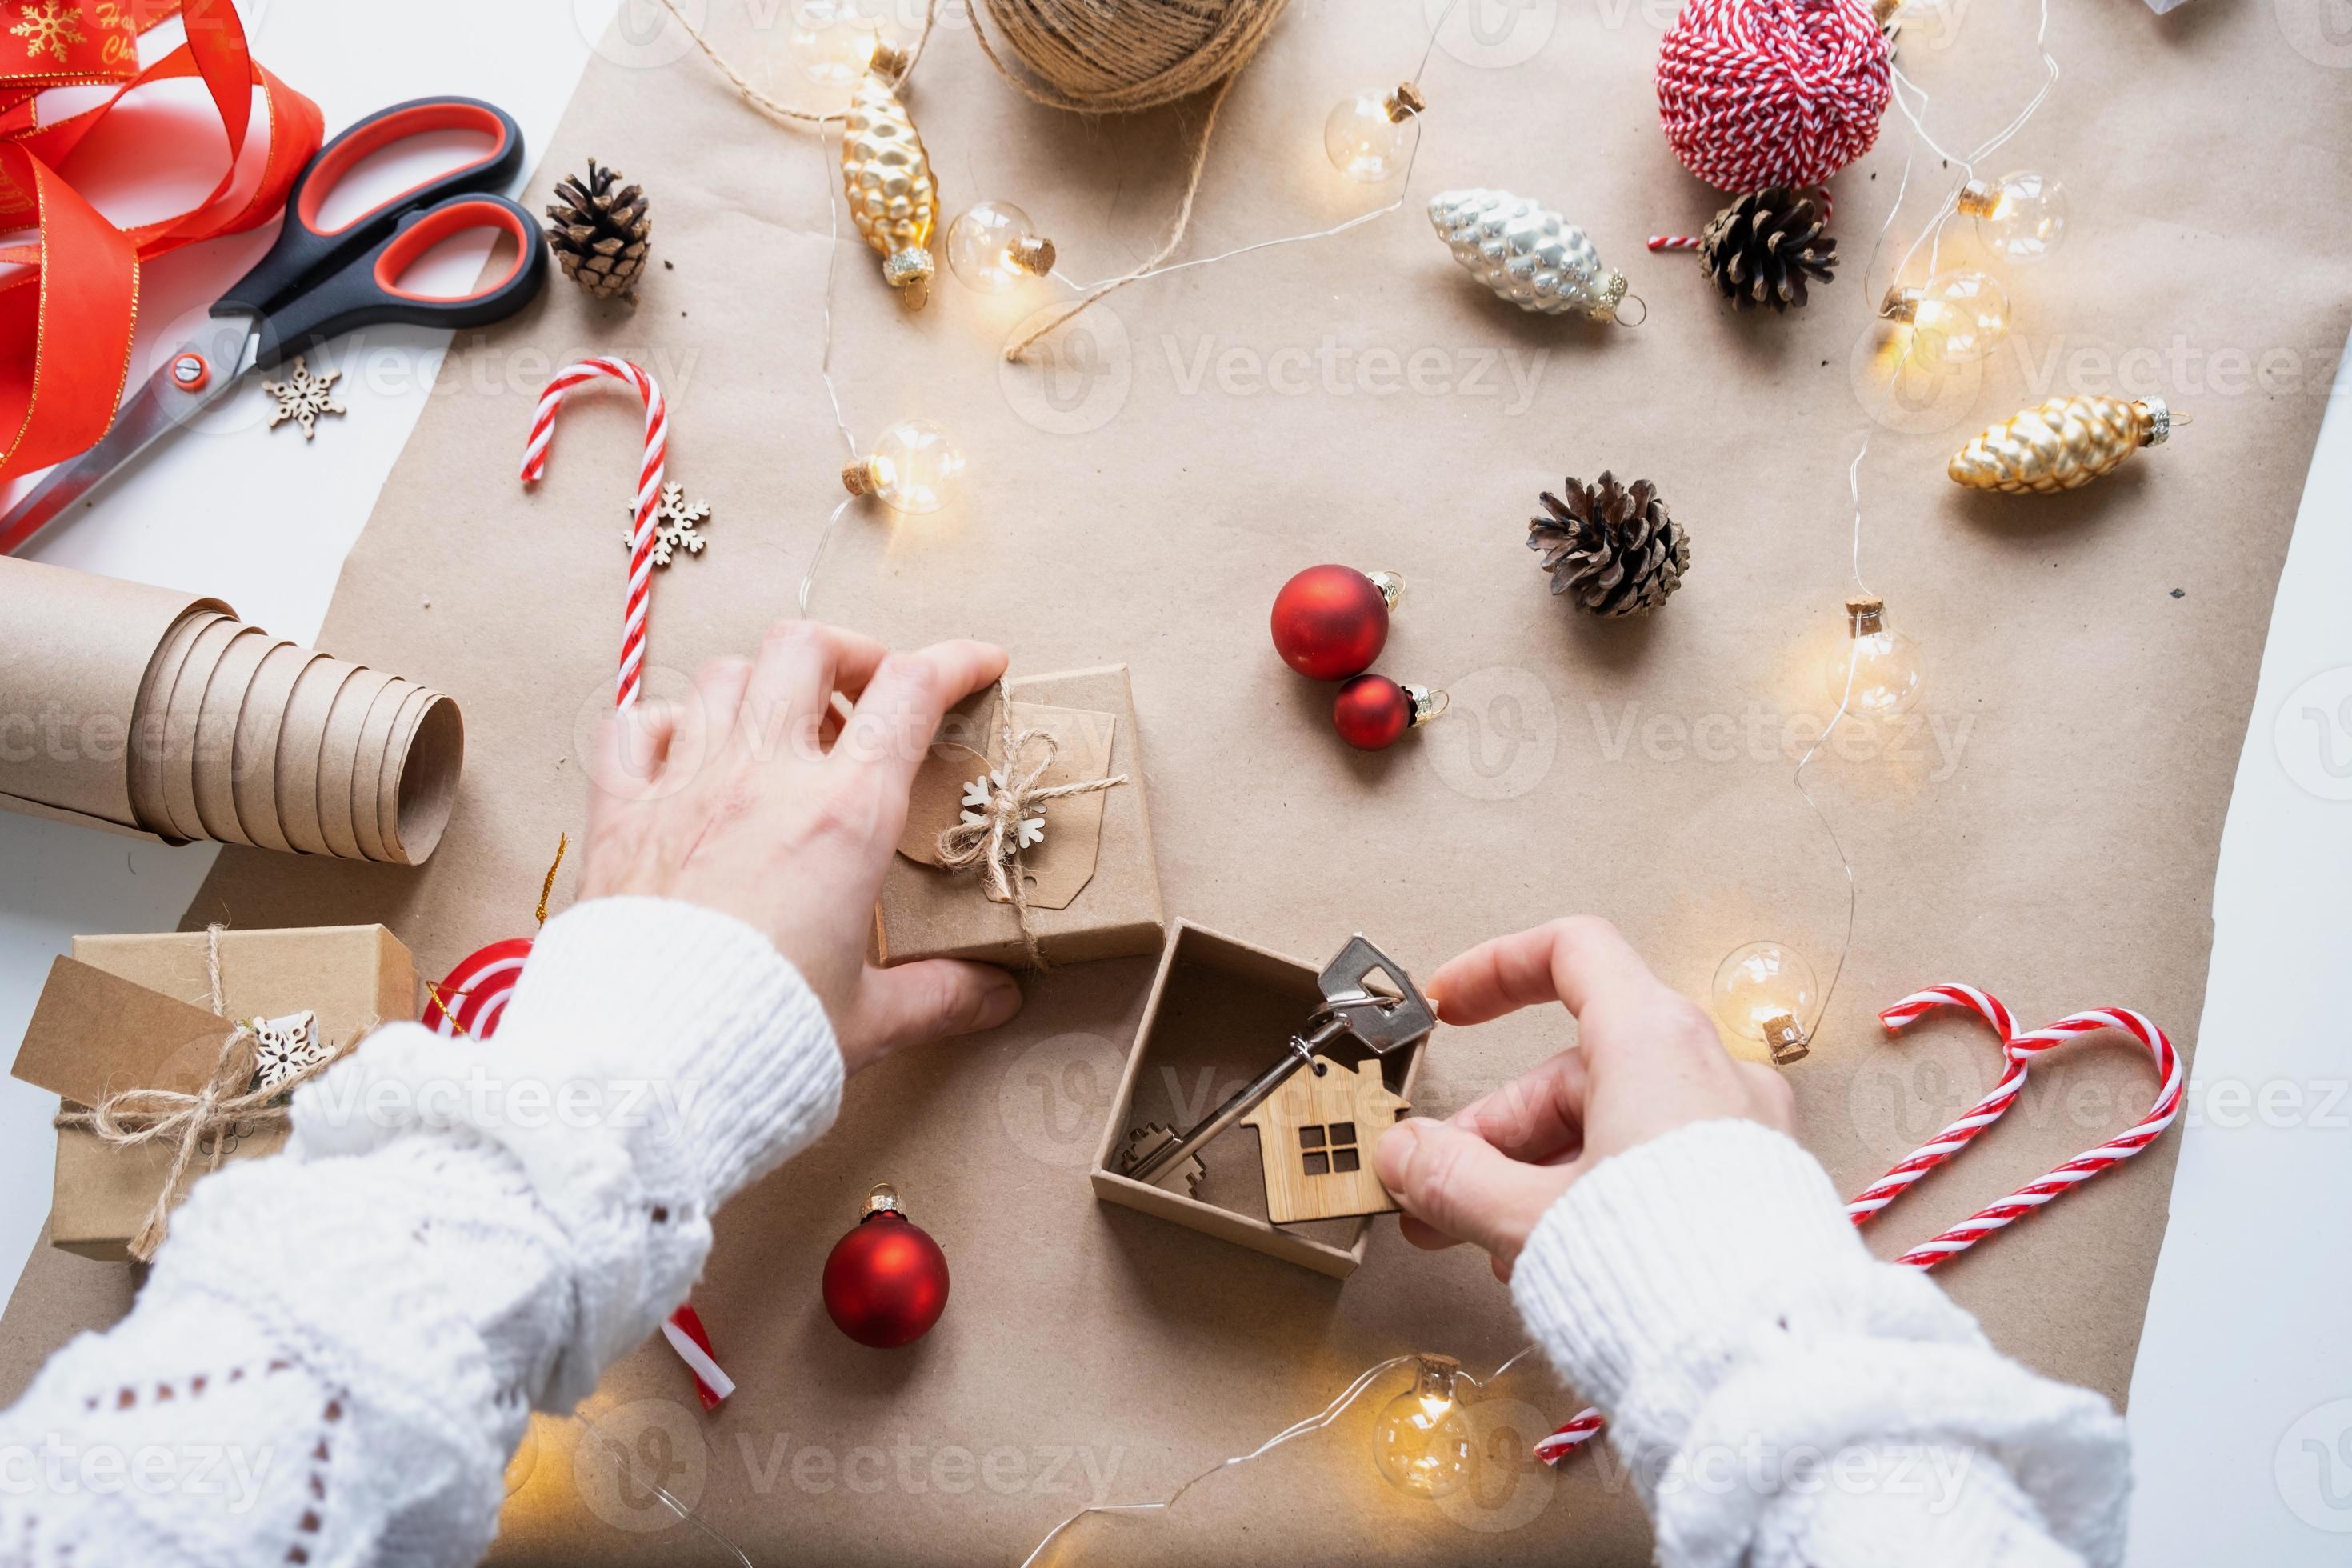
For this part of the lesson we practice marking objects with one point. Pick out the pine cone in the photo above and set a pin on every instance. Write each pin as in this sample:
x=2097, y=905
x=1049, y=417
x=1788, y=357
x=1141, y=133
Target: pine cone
x=1762, y=247
x=1614, y=548
x=598, y=232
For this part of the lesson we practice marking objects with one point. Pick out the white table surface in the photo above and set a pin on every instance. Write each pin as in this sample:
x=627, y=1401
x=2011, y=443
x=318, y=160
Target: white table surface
x=2242, y=1403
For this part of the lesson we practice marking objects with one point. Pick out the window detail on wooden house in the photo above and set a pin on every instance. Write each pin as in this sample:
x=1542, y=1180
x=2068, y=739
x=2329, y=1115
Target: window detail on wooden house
x=1323, y=1150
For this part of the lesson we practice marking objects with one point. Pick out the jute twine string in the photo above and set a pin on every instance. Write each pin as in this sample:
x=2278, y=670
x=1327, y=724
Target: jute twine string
x=990, y=845
x=1116, y=57
x=198, y=1123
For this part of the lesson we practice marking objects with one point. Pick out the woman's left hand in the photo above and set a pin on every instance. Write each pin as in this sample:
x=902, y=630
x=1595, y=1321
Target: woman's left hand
x=764, y=800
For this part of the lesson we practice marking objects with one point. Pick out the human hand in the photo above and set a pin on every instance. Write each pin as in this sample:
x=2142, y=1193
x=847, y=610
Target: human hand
x=1647, y=1061
x=763, y=800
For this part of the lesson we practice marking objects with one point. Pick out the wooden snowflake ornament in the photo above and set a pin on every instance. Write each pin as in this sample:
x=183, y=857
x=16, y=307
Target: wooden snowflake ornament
x=302, y=397
x=675, y=521
x=285, y=1048
x=980, y=791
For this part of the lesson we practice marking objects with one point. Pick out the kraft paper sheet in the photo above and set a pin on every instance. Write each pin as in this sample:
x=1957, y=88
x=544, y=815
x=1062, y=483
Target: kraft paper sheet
x=2046, y=826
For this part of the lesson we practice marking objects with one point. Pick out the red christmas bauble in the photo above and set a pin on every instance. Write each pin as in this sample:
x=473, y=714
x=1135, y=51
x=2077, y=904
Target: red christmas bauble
x=1371, y=712
x=1331, y=622
x=885, y=1282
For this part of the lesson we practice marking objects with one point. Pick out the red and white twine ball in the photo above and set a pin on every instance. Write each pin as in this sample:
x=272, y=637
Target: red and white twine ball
x=1755, y=93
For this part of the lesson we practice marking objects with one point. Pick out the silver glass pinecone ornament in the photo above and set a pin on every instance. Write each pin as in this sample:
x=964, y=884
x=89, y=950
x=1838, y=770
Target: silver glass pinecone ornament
x=1525, y=253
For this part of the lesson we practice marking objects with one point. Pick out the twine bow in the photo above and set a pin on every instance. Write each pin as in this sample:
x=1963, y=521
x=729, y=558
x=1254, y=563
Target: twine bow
x=988, y=840
x=202, y=1121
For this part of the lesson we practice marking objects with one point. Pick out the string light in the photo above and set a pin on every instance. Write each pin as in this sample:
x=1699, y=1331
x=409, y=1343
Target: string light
x=1365, y=135
x=1955, y=318
x=913, y=468
x=992, y=247
x=1878, y=668
x=2021, y=217
x=1422, y=1443
x=832, y=42
x=1767, y=992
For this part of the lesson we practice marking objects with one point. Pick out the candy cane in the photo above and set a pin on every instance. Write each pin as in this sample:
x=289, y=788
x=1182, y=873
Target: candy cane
x=1692, y=242
x=2018, y=1050
x=649, y=484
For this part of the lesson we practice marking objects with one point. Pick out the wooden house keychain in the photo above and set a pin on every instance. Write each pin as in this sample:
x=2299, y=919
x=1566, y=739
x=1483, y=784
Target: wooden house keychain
x=1317, y=1117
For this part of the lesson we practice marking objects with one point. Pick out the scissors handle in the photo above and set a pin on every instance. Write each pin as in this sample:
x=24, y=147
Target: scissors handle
x=367, y=290
x=305, y=248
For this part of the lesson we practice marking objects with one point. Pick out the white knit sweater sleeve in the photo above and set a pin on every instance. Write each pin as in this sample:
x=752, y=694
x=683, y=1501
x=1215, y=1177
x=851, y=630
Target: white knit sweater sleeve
x=338, y=1347
x=1781, y=1397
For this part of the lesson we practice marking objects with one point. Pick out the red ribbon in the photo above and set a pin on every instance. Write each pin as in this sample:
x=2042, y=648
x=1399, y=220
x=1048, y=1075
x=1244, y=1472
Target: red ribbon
x=66, y=320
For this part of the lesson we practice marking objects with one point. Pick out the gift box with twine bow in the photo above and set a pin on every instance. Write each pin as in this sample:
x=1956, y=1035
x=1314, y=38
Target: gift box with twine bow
x=1027, y=840
x=174, y=1052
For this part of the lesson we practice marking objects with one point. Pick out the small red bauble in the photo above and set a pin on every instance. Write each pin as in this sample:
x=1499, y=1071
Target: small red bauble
x=885, y=1282
x=1331, y=622
x=1372, y=711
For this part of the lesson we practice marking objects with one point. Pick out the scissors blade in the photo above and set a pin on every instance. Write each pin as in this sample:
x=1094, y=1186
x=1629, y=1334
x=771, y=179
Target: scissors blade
x=161, y=405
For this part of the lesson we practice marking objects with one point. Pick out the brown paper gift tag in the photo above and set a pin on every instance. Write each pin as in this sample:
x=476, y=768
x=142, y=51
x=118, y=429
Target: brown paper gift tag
x=148, y=722
x=179, y=725
x=215, y=759
x=94, y=1034
x=1056, y=869
x=254, y=763
x=300, y=739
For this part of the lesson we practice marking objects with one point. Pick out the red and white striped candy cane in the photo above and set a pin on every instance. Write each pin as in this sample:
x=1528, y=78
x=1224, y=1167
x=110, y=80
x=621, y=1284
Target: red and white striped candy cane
x=2018, y=1050
x=649, y=484
x=1691, y=241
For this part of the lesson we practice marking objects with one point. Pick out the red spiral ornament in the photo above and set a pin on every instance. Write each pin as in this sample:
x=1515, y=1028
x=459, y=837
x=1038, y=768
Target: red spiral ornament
x=1772, y=92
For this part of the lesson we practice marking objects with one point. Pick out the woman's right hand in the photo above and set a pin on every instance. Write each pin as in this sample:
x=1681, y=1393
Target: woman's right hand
x=1647, y=1060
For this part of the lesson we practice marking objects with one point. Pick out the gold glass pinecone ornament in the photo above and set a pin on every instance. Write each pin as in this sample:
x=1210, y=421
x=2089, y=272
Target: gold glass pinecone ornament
x=1614, y=548
x=2060, y=444
x=598, y=232
x=1527, y=254
x=1762, y=247
x=887, y=177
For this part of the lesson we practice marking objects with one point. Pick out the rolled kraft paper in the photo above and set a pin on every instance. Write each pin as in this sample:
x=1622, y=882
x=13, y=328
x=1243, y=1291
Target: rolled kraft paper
x=179, y=725
x=216, y=734
x=253, y=783
x=339, y=752
x=395, y=760
x=367, y=768
x=78, y=648
x=300, y=738
x=427, y=761
x=154, y=704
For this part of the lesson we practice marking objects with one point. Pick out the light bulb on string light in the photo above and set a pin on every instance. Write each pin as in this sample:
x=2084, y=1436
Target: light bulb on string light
x=992, y=247
x=913, y=468
x=1365, y=135
x=1422, y=1441
x=1767, y=992
x=832, y=41
x=2021, y=217
x=1876, y=671
x=1954, y=318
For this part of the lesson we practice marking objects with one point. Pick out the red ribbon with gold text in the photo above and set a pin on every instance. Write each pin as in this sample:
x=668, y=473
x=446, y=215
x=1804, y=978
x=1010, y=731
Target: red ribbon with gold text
x=68, y=308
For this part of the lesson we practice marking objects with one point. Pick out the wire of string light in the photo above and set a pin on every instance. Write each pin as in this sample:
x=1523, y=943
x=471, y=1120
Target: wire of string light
x=1911, y=101
x=1304, y=1427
